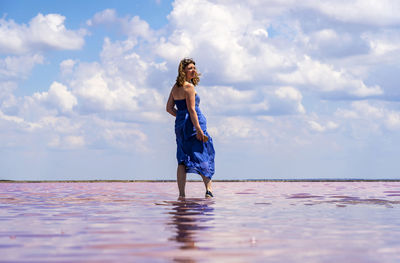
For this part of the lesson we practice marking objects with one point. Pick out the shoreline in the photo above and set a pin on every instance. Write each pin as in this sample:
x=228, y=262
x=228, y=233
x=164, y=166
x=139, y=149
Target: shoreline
x=226, y=181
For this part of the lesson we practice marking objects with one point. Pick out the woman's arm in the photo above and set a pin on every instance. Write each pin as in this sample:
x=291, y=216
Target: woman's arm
x=190, y=95
x=171, y=105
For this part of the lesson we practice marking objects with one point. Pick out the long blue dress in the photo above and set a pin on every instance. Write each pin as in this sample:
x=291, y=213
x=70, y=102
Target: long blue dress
x=197, y=156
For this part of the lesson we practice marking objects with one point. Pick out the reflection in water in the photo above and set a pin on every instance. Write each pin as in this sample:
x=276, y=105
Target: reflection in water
x=189, y=217
x=247, y=222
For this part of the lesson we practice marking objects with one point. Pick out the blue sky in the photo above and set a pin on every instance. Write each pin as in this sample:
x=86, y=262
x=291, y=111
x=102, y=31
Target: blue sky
x=290, y=89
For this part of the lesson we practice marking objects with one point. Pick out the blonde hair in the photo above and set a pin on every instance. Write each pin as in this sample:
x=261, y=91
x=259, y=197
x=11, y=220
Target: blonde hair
x=180, y=79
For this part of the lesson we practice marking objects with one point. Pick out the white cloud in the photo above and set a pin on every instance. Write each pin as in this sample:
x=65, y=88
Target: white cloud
x=365, y=115
x=226, y=100
x=75, y=141
x=327, y=42
x=107, y=90
x=324, y=78
x=288, y=93
x=383, y=43
x=119, y=58
x=7, y=87
x=366, y=12
x=66, y=142
x=58, y=96
x=237, y=128
x=106, y=16
x=370, y=12
x=73, y=132
x=261, y=32
x=94, y=91
x=290, y=98
x=118, y=137
x=43, y=32
x=13, y=69
x=241, y=51
x=363, y=108
x=346, y=114
x=63, y=125
x=117, y=88
x=132, y=26
x=392, y=120
x=329, y=126
x=100, y=133
x=233, y=50
x=20, y=122
x=67, y=66
x=18, y=67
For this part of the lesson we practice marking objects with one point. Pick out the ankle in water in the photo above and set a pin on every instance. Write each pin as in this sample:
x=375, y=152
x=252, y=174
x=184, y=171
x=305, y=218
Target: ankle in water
x=209, y=194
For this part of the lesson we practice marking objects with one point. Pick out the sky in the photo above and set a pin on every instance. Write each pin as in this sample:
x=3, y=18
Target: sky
x=291, y=89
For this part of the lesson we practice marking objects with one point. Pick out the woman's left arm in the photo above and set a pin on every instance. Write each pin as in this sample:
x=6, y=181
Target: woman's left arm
x=171, y=105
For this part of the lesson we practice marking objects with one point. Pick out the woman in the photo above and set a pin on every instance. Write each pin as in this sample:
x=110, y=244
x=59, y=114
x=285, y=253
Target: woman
x=195, y=151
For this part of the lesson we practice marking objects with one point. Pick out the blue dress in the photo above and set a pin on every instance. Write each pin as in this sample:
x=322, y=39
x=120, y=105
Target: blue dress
x=197, y=156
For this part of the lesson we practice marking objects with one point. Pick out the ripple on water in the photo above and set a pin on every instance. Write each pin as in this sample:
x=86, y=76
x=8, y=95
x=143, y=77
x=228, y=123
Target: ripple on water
x=245, y=222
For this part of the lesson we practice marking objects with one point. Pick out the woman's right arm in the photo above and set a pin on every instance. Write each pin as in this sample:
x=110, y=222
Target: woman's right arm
x=171, y=105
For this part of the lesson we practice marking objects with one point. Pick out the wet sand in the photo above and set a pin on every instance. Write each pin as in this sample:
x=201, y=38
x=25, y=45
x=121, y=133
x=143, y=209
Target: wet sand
x=246, y=222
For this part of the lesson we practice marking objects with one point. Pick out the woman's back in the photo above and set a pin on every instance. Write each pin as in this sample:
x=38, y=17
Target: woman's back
x=181, y=104
x=178, y=93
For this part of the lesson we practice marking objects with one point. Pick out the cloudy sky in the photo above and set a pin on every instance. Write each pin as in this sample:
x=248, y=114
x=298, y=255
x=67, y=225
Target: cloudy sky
x=291, y=89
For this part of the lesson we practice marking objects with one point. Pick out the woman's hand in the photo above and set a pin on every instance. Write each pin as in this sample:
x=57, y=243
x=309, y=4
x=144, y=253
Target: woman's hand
x=200, y=135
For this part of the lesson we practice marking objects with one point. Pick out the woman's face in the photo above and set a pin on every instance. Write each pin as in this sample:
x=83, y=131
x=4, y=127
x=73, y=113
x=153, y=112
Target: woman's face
x=190, y=71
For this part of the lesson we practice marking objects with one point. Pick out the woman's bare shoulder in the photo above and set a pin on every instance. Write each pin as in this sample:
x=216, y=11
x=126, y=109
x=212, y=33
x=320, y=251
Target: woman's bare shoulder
x=188, y=87
x=174, y=89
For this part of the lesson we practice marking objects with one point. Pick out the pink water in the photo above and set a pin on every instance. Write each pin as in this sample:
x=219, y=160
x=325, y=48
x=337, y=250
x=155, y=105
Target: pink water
x=245, y=222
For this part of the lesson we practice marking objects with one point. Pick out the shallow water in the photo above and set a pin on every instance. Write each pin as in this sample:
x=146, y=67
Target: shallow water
x=245, y=222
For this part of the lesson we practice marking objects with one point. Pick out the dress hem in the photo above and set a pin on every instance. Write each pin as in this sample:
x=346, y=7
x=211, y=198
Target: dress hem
x=194, y=170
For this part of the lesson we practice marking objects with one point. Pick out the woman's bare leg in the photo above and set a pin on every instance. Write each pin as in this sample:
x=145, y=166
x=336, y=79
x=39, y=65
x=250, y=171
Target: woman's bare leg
x=207, y=183
x=181, y=179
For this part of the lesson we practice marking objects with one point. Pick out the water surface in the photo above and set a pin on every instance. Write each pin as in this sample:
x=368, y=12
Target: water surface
x=245, y=222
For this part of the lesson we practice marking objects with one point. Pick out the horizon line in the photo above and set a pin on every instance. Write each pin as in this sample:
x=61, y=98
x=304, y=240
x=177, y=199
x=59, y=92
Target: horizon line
x=220, y=180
